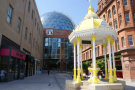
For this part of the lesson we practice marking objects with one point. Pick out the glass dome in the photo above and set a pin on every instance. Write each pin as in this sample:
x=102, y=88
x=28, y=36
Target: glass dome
x=57, y=20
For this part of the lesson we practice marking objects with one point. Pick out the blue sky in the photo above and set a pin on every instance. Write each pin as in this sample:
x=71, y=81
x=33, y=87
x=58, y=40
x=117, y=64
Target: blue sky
x=75, y=9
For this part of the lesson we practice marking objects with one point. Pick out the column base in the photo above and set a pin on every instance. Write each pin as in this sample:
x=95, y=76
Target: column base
x=78, y=79
x=74, y=78
x=106, y=77
x=115, y=78
x=111, y=79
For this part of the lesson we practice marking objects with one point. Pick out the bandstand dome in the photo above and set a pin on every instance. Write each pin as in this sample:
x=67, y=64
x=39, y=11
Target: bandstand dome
x=93, y=25
x=57, y=20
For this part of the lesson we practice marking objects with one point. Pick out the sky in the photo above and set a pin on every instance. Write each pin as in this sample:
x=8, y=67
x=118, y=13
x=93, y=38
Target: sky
x=74, y=9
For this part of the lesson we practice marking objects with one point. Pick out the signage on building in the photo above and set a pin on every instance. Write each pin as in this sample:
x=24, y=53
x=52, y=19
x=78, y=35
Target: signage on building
x=12, y=52
x=49, y=32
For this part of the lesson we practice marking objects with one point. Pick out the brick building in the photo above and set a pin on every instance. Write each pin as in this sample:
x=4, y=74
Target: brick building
x=21, y=33
x=120, y=15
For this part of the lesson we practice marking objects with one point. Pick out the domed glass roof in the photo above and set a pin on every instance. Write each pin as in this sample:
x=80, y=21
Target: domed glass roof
x=57, y=20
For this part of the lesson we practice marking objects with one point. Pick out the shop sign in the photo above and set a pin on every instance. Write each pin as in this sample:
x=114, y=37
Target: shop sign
x=17, y=54
x=5, y=52
x=14, y=53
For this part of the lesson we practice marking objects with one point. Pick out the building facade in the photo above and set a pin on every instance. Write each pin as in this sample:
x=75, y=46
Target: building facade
x=21, y=39
x=58, y=53
x=120, y=15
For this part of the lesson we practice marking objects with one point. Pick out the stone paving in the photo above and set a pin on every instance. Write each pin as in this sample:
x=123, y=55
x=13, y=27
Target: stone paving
x=54, y=81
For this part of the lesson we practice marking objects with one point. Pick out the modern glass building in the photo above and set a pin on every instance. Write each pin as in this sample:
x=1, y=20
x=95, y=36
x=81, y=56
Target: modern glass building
x=58, y=52
x=57, y=20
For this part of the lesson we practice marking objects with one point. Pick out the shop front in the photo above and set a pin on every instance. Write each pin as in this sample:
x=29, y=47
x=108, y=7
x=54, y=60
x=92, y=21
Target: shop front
x=12, y=65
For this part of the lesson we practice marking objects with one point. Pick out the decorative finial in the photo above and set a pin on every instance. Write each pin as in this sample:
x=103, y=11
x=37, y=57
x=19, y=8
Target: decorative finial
x=90, y=2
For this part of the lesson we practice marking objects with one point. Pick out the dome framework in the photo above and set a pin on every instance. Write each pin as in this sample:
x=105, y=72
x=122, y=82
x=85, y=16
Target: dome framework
x=57, y=20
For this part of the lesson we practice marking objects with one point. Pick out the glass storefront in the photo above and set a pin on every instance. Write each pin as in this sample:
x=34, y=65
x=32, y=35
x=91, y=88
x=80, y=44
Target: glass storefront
x=58, y=49
x=11, y=64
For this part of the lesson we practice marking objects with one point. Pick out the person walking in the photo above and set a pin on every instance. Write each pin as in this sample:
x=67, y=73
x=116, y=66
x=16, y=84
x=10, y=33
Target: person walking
x=48, y=71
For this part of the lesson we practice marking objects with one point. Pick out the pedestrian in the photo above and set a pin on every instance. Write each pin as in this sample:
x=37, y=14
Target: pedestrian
x=2, y=74
x=48, y=71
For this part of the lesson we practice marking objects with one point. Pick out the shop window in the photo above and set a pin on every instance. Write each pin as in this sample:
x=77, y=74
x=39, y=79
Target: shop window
x=127, y=17
x=130, y=40
x=18, y=25
x=125, y=2
x=114, y=10
x=10, y=12
x=109, y=14
x=123, y=41
x=115, y=23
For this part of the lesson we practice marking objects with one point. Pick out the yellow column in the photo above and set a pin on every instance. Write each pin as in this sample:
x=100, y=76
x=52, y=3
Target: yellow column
x=81, y=61
x=110, y=62
x=106, y=74
x=95, y=79
x=78, y=55
x=114, y=68
x=74, y=78
x=90, y=70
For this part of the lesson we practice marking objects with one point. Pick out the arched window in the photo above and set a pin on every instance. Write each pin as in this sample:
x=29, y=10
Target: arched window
x=109, y=14
x=114, y=10
x=118, y=4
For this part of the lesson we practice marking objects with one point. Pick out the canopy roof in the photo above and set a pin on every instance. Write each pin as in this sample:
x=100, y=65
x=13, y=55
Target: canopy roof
x=93, y=25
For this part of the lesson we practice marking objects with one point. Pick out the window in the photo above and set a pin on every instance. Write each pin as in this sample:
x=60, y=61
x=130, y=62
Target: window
x=110, y=24
x=35, y=21
x=130, y=40
x=30, y=38
x=115, y=24
x=26, y=33
x=102, y=5
x=29, y=6
x=104, y=17
x=132, y=2
x=118, y=4
x=18, y=25
x=109, y=14
x=10, y=11
x=123, y=42
x=134, y=16
x=120, y=19
x=127, y=17
x=125, y=2
x=98, y=51
x=117, y=42
x=114, y=10
x=32, y=14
